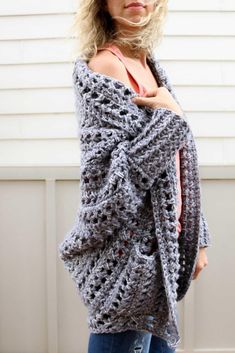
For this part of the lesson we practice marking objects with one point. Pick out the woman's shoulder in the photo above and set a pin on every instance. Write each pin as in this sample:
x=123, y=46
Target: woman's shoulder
x=104, y=62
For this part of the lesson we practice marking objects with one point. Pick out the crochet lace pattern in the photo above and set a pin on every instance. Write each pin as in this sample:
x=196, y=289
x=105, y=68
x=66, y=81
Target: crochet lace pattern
x=123, y=251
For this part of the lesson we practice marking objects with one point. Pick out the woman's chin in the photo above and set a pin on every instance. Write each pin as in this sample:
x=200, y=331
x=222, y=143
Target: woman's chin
x=135, y=19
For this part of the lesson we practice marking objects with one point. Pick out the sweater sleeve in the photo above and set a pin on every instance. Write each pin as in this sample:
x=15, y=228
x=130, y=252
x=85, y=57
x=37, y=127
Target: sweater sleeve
x=151, y=149
x=116, y=171
x=154, y=149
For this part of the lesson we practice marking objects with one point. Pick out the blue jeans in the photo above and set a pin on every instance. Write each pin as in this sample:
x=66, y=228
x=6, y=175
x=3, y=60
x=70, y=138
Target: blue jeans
x=129, y=341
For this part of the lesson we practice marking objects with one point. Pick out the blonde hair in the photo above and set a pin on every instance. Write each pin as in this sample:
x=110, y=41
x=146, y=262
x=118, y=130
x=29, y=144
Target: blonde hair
x=93, y=27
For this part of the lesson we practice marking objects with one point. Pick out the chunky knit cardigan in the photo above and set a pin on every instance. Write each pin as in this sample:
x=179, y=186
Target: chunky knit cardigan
x=123, y=251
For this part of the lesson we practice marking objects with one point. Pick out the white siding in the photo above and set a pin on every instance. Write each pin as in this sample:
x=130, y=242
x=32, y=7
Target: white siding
x=37, y=121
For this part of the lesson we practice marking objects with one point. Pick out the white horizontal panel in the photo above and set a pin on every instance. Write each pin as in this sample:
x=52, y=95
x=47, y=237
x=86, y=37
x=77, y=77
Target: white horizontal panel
x=36, y=75
x=60, y=74
x=206, y=124
x=53, y=152
x=27, y=101
x=61, y=172
x=36, y=51
x=210, y=151
x=206, y=5
x=197, y=48
x=171, y=48
x=13, y=7
x=65, y=126
x=39, y=126
x=62, y=100
x=59, y=25
x=211, y=23
x=203, y=73
x=49, y=152
x=228, y=151
x=216, y=151
x=41, y=26
x=206, y=98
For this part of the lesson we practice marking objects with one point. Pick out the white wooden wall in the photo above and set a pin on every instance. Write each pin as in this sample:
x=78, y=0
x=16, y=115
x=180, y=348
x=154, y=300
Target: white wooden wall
x=39, y=170
x=37, y=124
x=40, y=310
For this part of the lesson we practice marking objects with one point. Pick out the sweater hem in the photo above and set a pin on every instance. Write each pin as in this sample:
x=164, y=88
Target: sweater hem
x=142, y=323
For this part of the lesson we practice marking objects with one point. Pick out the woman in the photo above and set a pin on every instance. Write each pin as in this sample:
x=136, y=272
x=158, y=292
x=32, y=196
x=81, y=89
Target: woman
x=117, y=39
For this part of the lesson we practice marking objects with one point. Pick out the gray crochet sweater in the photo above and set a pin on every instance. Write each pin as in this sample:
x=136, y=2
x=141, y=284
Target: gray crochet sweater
x=123, y=251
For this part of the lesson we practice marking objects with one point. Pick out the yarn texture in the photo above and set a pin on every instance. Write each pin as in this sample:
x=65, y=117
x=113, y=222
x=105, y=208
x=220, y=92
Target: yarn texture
x=123, y=251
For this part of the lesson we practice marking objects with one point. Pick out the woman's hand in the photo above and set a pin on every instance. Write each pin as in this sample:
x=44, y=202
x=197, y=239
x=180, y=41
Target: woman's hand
x=159, y=98
x=201, y=262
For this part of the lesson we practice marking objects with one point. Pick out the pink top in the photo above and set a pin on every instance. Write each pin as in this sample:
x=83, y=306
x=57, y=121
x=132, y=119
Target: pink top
x=139, y=88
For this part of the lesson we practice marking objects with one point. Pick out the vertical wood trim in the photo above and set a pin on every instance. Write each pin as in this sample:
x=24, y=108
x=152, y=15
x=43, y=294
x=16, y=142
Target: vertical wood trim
x=189, y=320
x=51, y=259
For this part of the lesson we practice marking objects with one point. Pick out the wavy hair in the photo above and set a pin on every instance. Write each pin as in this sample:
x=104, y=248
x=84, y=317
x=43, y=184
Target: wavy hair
x=93, y=27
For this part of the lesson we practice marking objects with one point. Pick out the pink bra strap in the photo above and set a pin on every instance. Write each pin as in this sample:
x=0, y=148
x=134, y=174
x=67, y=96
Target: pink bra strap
x=119, y=54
